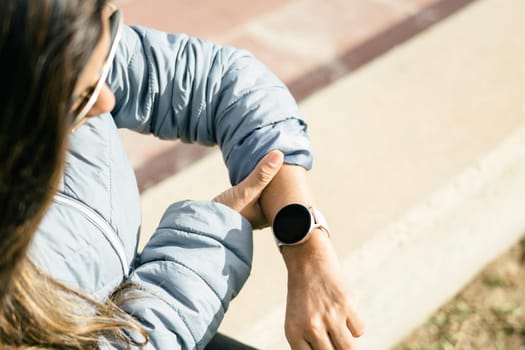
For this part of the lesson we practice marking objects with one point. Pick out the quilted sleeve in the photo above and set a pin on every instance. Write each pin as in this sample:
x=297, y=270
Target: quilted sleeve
x=178, y=87
x=195, y=263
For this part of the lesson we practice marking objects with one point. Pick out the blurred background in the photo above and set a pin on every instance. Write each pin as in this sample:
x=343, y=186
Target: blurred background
x=416, y=109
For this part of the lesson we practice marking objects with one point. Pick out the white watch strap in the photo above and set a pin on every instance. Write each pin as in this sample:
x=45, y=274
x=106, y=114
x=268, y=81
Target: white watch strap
x=319, y=220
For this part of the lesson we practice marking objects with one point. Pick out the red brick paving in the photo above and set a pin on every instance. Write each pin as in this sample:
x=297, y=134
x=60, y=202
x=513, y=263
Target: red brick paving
x=204, y=18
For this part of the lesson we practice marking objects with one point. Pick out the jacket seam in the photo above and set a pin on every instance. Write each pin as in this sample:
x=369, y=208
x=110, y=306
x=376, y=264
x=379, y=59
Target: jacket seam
x=241, y=140
x=110, y=182
x=165, y=261
x=223, y=307
x=204, y=234
x=269, y=124
x=155, y=295
x=92, y=215
x=249, y=92
x=151, y=80
x=134, y=56
x=134, y=51
x=216, y=61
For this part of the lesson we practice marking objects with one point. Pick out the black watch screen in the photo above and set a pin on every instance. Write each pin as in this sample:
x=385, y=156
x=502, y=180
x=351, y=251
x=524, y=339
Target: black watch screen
x=292, y=223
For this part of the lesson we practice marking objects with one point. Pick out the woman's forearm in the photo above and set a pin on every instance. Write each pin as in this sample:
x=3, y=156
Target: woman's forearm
x=292, y=185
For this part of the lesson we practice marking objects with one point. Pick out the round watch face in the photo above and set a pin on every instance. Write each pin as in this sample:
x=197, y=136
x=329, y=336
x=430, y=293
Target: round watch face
x=292, y=223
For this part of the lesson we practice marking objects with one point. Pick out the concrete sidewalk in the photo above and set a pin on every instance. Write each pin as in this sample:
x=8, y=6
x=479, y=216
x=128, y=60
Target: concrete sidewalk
x=420, y=170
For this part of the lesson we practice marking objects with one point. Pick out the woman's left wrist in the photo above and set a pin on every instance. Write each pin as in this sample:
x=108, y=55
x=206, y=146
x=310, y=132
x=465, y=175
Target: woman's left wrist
x=315, y=249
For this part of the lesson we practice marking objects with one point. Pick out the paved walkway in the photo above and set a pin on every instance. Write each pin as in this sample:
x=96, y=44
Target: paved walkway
x=420, y=165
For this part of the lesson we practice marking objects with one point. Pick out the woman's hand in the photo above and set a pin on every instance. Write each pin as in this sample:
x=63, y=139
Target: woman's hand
x=244, y=197
x=320, y=313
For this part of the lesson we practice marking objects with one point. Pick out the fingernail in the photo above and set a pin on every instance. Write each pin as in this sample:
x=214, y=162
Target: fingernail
x=275, y=158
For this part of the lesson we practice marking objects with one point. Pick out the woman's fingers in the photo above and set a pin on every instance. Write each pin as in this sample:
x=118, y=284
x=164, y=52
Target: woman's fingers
x=261, y=176
x=319, y=304
x=354, y=323
x=244, y=196
x=321, y=342
x=342, y=338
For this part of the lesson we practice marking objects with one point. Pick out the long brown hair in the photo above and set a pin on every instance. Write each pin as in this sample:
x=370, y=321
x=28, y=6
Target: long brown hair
x=44, y=46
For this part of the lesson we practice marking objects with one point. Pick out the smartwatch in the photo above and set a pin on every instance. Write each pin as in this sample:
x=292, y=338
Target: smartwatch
x=294, y=223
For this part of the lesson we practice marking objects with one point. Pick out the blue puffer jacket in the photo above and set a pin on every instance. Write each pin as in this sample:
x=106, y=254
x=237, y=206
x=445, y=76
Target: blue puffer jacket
x=199, y=257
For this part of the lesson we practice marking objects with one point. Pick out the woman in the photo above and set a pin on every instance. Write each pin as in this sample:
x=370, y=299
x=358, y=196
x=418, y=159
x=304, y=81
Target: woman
x=70, y=274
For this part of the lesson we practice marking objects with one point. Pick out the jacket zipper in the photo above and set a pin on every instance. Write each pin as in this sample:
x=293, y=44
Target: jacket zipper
x=109, y=233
